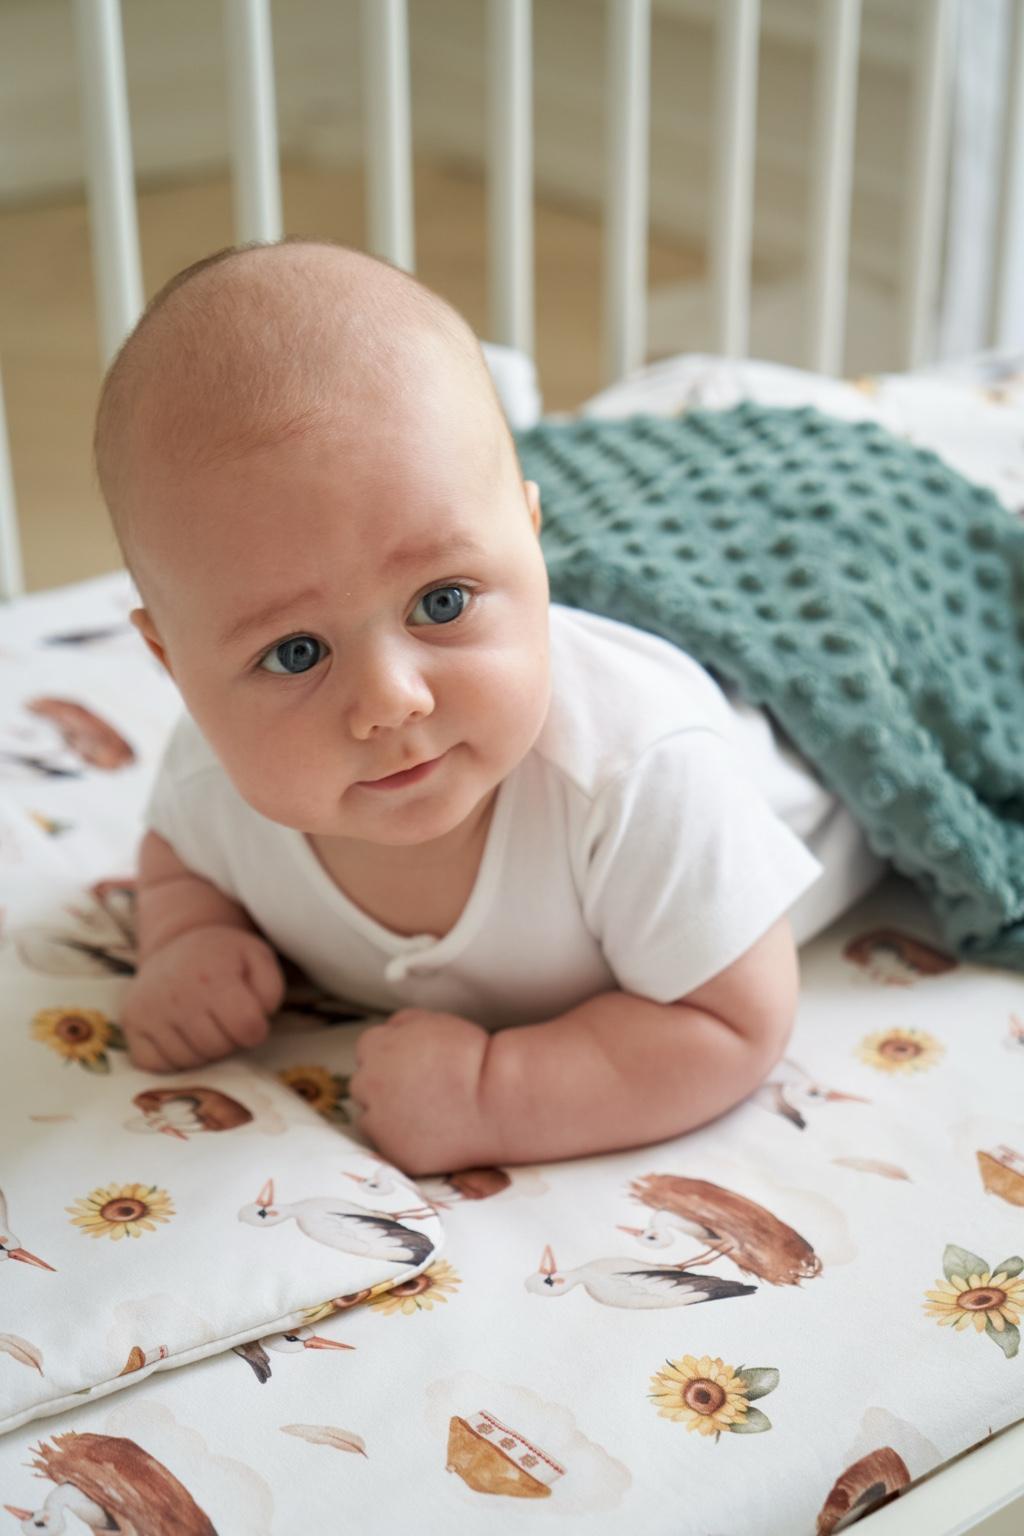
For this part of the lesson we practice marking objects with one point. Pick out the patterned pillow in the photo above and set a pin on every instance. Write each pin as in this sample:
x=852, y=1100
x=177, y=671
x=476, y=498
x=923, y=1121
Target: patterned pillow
x=149, y=1221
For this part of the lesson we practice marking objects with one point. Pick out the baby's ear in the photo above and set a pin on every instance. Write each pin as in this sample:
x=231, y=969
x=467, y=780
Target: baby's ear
x=533, y=502
x=148, y=630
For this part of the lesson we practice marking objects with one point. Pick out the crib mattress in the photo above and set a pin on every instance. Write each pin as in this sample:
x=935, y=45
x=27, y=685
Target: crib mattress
x=771, y=1325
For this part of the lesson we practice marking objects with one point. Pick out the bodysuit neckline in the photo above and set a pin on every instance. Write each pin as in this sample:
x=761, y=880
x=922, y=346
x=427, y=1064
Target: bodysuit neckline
x=425, y=950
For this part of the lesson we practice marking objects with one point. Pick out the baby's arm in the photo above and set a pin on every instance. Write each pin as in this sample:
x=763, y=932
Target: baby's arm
x=206, y=980
x=623, y=1071
x=171, y=899
x=438, y=1093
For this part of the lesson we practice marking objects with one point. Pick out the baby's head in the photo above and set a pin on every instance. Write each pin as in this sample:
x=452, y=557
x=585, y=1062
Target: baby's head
x=319, y=499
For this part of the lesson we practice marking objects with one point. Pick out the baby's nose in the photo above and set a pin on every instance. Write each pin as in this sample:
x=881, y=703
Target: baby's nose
x=390, y=694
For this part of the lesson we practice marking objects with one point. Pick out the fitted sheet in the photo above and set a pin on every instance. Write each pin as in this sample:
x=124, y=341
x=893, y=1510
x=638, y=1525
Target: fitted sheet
x=751, y=1328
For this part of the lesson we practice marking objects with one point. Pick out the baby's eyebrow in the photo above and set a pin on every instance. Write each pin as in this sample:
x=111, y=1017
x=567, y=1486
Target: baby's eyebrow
x=399, y=560
x=428, y=554
x=265, y=616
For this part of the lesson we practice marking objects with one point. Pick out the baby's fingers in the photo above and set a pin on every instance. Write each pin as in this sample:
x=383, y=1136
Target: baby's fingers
x=240, y=1015
x=203, y=1035
x=266, y=978
x=144, y=1052
x=186, y=1044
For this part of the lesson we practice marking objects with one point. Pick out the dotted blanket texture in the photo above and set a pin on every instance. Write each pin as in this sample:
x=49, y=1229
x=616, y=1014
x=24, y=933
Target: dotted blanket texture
x=868, y=596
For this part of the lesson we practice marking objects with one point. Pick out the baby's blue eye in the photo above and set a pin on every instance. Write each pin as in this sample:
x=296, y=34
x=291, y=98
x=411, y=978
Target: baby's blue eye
x=295, y=656
x=443, y=604
x=301, y=653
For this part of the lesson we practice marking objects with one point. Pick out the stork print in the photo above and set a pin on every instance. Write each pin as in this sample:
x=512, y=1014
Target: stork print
x=110, y=1484
x=297, y=1339
x=621, y=1283
x=341, y=1224
x=10, y=1247
x=792, y=1092
x=385, y=1181
x=757, y=1242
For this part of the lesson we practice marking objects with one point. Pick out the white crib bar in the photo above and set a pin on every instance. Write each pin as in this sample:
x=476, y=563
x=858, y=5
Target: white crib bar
x=734, y=129
x=510, y=173
x=835, y=121
x=926, y=178
x=252, y=115
x=1007, y=320
x=627, y=134
x=12, y=576
x=113, y=220
x=387, y=130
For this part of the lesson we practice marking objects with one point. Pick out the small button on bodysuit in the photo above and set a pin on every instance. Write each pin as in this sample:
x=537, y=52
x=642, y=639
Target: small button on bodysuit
x=408, y=963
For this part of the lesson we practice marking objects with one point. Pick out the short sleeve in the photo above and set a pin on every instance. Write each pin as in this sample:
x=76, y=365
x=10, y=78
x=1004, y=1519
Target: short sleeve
x=161, y=813
x=186, y=809
x=687, y=865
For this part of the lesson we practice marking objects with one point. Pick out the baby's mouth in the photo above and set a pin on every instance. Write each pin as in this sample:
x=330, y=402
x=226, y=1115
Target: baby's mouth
x=406, y=776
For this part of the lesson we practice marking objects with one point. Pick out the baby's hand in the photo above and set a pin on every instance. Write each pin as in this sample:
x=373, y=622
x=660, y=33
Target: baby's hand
x=199, y=998
x=417, y=1082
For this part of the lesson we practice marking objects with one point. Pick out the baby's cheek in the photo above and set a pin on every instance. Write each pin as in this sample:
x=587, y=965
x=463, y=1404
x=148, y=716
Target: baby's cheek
x=281, y=776
x=478, y=706
x=509, y=679
x=520, y=695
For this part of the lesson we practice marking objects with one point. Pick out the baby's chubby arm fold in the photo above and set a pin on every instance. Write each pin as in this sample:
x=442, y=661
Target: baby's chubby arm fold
x=171, y=899
x=623, y=1071
x=206, y=980
x=437, y=1093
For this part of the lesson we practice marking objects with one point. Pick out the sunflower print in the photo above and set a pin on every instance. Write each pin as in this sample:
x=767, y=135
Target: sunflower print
x=79, y=1034
x=432, y=1285
x=343, y=1303
x=121, y=1210
x=321, y=1089
x=353, y=1298
x=972, y=1294
x=708, y=1396
x=901, y=1050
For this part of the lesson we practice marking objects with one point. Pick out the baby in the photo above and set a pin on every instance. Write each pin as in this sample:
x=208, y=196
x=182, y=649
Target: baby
x=446, y=798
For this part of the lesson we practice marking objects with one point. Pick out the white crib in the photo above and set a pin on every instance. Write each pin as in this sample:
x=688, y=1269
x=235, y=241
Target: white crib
x=981, y=1492
x=388, y=137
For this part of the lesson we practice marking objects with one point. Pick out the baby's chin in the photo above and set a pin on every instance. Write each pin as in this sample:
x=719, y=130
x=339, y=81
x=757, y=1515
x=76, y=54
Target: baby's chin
x=389, y=819
x=415, y=823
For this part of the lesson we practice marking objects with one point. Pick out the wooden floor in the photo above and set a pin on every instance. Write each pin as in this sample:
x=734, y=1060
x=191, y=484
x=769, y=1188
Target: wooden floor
x=49, y=351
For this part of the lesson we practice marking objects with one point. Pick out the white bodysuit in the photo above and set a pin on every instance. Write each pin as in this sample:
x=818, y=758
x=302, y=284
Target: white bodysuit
x=656, y=829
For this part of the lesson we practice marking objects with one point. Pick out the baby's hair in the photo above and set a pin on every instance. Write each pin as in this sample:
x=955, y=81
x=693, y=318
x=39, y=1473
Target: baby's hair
x=174, y=336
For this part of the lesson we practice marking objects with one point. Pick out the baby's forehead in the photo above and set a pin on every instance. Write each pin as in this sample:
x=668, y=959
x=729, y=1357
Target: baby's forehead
x=251, y=355
x=238, y=385
x=426, y=455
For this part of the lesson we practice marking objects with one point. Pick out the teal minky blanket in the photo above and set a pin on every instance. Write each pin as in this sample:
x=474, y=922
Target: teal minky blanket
x=870, y=598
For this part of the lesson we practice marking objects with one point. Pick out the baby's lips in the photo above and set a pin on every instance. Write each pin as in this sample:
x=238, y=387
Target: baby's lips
x=84, y=733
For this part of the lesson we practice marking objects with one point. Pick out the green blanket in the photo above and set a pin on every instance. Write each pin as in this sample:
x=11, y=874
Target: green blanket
x=870, y=598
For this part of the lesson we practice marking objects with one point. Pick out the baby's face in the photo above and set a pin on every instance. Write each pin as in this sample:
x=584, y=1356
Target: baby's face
x=332, y=617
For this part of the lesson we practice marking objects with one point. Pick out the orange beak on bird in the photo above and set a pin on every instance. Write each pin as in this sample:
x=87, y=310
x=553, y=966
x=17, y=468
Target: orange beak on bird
x=28, y=1258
